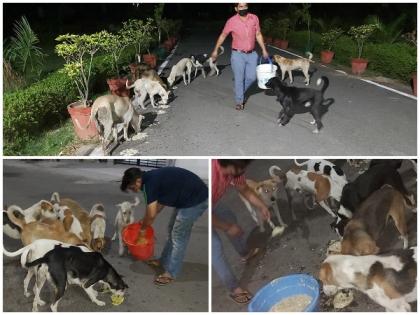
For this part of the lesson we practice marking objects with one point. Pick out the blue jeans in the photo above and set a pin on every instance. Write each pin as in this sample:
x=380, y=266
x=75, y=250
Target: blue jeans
x=219, y=261
x=244, y=68
x=179, y=232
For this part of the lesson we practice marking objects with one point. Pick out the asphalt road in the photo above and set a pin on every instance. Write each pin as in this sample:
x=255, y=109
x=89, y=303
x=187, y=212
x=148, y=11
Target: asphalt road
x=90, y=182
x=363, y=120
x=302, y=247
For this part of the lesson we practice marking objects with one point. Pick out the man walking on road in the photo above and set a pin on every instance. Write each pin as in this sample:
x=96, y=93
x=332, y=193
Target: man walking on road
x=225, y=174
x=245, y=29
x=171, y=187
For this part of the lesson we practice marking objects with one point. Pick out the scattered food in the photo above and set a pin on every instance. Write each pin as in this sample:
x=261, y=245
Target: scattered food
x=334, y=247
x=139, y=136
x=117, y=299
x=129, y=152
x=161, y=112
x=163, y=106
x=296, y=303
x=343, y=299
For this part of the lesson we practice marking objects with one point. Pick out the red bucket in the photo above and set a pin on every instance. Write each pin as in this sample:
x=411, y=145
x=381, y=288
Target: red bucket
x=130, y=235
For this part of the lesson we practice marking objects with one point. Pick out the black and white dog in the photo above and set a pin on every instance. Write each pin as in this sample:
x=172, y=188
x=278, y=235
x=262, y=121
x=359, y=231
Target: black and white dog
x=327, y=168
x=200, y=61
x=71, y=265
x=296, y=100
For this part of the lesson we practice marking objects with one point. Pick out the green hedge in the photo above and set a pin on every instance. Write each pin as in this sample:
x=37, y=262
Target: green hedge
x=397, y=61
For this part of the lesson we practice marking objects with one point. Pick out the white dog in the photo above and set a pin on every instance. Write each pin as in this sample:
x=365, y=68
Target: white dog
x=71, y=223
x=124, y=217
x=143, y=87
x=182, y=68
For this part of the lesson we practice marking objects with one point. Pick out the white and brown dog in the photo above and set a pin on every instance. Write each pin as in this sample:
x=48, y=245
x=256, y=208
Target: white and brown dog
x=389, y=279
x=267, y=190
x=125, y=216
x=326, y=168
x=288, y=65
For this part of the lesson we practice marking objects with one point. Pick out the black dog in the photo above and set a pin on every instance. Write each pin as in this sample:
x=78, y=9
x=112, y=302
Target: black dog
x=72, y=265
x=363, y=186
x=296, y=100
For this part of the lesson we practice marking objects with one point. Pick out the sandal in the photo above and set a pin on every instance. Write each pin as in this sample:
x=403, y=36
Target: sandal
x=240, y=107
x=163, y=280
x=241, y=298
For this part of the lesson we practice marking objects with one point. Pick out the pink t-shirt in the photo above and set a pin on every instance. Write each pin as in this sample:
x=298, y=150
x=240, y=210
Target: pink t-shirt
x=243, y=32
x=220, y=183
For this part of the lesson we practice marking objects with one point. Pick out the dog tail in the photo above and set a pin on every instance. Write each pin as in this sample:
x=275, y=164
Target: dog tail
x=16, y=253
x=272, y=169
x=129, y=86
x=301, y=164
x=15, y=220
x=55, y=197
x=36, y=262
x=310, y=56
x=222, y=50
x=326, y=83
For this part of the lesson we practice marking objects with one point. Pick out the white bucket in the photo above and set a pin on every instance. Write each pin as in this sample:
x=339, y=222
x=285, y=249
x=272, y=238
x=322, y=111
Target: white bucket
x=264, y=73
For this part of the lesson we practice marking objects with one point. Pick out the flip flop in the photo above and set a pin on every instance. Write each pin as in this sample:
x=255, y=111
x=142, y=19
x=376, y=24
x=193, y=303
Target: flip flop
x=163, y=280
x=241, y=298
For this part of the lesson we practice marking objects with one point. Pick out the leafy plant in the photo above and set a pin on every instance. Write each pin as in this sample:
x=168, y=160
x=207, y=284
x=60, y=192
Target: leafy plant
x=360, y=34
x=411, y=37
x=78, y=52
x=282, y=28
x=22, y=51
x=158, y=15
x=387, y=33
x=304, y=16
x=139, y=33
x=328, y=39
x=267, y=27
x=11, y=79
x=114, y=45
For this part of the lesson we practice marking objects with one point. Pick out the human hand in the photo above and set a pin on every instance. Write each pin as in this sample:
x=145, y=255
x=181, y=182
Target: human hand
x=214, y=55
x=265, y=213
x=265, y=54
x=234, y=231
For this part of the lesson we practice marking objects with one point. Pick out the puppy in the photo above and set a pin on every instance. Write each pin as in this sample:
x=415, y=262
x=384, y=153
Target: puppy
x=143, y=87
x=97, y=227
x=267, y=190
x=70, y=222
x=125, y=216
x=182, y=68
x=287, y=65
x=389, y=279
x=327, y=168
x=33, y=251
x=71, y=265
x=370, y=220
x=299, y=100
x=199, y=62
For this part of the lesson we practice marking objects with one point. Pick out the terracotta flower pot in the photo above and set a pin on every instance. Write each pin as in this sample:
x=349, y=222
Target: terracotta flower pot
x=281, y=43
x=80, y=117
x=134, y=68
x=150, y=59
x=327, y=56
x=117, y=86
x=268, y=40
x=358, y=65
x=414, y=78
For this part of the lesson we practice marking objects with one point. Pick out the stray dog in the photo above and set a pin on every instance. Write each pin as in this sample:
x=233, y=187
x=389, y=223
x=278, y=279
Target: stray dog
x=151, y=74
x=199, y=61
x=31, y=252
x=71, y=265
x=327, y=168
x=125, y=216
x=267, y=190
x=389, y=279
x=287, y=65
x=97, y=227
x=182, y=68
x=9, y=228
x=42, y=209
x=370, y=220
x=70, y=222
x=144, y=87
x=296, y=100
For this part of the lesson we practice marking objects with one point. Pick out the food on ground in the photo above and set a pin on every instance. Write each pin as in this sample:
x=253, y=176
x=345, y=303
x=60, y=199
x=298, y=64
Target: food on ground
x=117, y=299
x=295, y=303
x=343, y=299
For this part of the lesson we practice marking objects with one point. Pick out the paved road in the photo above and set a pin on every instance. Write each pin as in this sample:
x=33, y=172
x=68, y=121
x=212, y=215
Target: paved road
x=302, y=247
x=91, y=182
x=363, y=120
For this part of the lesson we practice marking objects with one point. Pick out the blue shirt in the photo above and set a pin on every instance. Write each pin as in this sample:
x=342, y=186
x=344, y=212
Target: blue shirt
x=173, y=187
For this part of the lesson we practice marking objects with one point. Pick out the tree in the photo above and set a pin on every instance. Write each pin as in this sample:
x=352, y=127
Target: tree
x=360, y=34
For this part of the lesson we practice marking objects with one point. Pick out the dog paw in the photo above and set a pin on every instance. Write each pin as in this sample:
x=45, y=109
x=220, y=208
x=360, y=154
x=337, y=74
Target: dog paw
x=41, y=302
x=27, y=294
x=313, y=122
x=315, y=131
x=100, y=303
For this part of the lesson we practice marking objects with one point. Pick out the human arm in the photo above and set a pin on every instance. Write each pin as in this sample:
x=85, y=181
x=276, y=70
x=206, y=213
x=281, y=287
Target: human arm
x=219, y=43
x=260, y=41
x=249, y=194
x=152, y=211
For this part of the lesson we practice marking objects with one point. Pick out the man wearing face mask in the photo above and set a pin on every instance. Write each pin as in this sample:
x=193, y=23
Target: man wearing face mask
x=245, y=29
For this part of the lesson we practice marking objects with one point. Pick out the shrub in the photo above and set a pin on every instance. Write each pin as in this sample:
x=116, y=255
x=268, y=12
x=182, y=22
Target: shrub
x=360, y=35
x=329, y=38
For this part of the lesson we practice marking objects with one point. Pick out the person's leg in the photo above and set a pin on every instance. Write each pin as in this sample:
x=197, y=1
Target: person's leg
x=180, y=235
x=166, y=252
x=238, y=67
x=250, y=69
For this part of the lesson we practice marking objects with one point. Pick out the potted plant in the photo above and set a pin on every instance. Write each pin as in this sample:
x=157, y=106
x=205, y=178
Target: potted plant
x=267, y=27
x=282, y=29
x=360, y=34
x=78, y=52
x=328, y=40
x=114, y=45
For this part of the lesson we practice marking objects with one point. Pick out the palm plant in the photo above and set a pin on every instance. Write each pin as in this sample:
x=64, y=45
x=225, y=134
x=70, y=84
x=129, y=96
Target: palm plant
x=304, y=16
x=390, y=32
x=22, y=50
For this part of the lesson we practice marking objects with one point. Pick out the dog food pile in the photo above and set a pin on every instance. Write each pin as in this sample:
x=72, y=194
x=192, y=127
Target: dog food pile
x=142, y=241
x=296, y=303
x=117, y=299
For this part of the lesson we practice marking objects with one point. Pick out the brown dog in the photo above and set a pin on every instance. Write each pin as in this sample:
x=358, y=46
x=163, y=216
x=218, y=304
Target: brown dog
x=370, y=220
x=45, y=229
x=287, y=65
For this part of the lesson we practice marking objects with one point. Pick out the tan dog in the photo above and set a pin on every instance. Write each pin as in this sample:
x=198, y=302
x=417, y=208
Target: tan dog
x=287, y=65
x=45, y=229
x=151, y=74
x=370, y=220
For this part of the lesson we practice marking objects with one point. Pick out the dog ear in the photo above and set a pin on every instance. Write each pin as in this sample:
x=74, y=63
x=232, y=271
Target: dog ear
x=67, y=222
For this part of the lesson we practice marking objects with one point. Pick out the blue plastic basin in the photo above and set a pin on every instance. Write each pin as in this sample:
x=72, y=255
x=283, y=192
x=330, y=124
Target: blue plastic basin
x=285, y=287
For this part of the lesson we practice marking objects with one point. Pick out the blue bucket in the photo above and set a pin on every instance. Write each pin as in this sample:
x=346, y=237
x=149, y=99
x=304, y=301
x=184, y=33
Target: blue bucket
x=285, y=287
